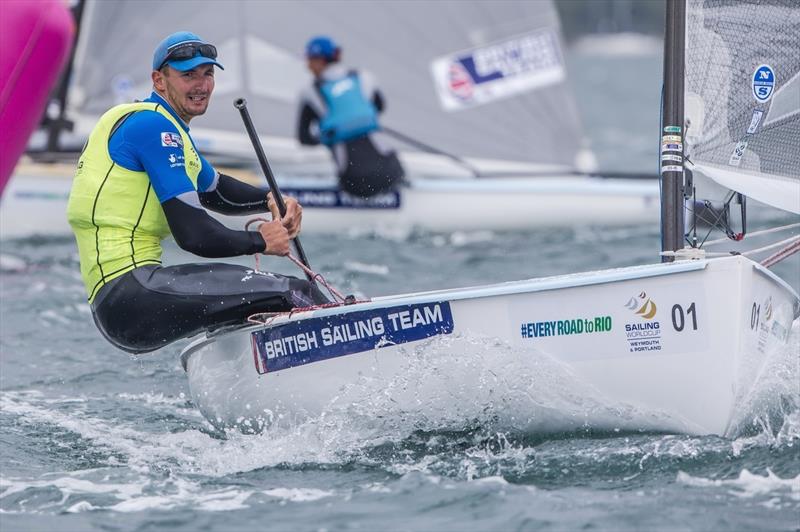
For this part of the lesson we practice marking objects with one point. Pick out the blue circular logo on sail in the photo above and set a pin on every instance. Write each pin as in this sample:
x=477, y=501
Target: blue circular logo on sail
x=763, y=83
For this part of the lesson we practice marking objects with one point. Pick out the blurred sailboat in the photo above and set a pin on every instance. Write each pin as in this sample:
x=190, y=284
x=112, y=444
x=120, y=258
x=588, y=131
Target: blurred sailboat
x=484, y=82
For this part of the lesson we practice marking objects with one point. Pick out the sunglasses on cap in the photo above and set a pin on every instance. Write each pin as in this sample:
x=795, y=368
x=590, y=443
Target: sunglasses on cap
x=188, y=50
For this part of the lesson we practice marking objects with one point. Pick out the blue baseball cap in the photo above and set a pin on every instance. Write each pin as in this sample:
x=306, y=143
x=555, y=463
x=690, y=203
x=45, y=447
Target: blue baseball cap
x=191, y=52
x=321, y=46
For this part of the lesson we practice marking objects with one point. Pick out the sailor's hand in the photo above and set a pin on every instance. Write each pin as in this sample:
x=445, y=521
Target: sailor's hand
x=276, y=236
x=294, y=214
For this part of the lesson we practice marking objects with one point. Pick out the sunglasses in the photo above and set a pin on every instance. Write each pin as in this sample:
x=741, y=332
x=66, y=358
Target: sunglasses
x=189, y=50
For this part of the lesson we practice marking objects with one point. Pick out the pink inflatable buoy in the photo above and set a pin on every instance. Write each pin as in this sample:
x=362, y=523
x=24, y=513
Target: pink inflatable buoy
x=35, y=40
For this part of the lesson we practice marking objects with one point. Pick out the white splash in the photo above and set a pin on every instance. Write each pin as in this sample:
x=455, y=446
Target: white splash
x=464, y=238
x=772, y=405
x=298, y=494
x=12, y=264
x=372, y=269
x=748, y=484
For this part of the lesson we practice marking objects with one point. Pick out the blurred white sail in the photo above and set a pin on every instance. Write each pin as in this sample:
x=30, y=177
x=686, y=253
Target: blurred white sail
x=509, y=54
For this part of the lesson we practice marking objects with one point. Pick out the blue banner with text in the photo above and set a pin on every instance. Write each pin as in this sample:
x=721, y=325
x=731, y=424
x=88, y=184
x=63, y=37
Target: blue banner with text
x=315, y=339
x=327, y=198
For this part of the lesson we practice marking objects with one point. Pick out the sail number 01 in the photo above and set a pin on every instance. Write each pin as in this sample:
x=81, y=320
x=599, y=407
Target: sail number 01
x=679, y=317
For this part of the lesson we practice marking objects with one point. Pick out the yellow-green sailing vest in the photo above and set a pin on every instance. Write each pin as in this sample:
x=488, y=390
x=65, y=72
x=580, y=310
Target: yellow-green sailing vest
x=114, y=212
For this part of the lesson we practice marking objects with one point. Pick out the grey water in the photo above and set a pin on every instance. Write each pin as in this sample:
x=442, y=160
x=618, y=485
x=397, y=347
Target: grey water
x=94, y=439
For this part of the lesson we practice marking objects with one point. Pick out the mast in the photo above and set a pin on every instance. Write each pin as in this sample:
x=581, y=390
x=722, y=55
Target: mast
x=61, y=123
x=672, y=133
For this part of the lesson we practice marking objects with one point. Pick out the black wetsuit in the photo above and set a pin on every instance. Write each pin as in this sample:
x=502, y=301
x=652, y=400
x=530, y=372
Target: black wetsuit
x=151, y=306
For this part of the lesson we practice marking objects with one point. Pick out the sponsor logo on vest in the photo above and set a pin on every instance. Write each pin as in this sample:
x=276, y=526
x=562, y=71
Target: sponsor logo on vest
x=175, y=160
x=171, y=140
x=194, y=161
x=340, y=87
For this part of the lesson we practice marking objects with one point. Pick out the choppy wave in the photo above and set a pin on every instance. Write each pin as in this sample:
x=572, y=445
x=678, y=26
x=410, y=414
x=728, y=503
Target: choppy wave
x=87, y=432
x=139, y=468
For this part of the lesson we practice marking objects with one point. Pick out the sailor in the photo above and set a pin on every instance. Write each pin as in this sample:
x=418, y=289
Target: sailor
x=340, y=110
x=140, y=179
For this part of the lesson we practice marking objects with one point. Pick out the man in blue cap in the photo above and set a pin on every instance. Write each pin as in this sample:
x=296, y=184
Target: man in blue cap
x=341, y=111
x=140, y=179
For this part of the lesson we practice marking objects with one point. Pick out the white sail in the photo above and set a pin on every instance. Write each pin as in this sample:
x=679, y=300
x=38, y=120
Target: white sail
x=514, y=101
x=743, y=96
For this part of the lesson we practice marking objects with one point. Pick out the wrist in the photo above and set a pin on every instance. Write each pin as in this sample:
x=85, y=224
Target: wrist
x=259, y=242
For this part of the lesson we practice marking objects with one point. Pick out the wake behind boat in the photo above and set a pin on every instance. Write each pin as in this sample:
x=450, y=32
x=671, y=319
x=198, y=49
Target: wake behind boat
x=680, y=346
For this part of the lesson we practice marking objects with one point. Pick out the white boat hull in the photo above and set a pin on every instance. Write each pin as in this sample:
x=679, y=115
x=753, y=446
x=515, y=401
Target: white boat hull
x=35, y=206
x=35, y=203
x=469, y=204
x=677, y=347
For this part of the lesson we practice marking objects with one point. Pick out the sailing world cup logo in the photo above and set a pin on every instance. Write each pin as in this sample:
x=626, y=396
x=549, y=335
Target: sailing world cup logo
x=643, y=336
x=643, y=306
x=763, y=83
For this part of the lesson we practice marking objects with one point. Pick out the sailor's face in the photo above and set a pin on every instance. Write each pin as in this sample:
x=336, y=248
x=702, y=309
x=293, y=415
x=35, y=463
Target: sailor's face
x=316, y=65
x=187, y=92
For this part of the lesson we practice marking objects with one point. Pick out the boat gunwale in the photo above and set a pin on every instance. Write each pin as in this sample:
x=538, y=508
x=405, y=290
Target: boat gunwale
x=527, y=286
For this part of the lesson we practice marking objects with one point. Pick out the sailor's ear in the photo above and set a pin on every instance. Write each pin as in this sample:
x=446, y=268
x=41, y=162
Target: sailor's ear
x=158, y=79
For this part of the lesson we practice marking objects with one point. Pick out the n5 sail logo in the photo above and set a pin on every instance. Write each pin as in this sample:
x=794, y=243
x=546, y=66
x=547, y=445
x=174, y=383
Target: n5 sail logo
x=763, y=83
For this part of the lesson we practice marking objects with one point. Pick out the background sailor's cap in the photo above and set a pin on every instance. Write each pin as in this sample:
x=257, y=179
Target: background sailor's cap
x=321, y=46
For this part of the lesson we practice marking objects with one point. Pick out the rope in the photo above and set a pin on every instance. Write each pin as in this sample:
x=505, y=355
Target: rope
x=265, y=318
x=757, y=233
x=770, y=246
x=792, y=248
x=317, y=277
x=335, y=294
x=788, y=251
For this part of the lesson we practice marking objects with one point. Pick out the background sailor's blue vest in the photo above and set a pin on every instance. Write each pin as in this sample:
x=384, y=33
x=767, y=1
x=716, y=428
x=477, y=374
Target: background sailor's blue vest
x=350, y=115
